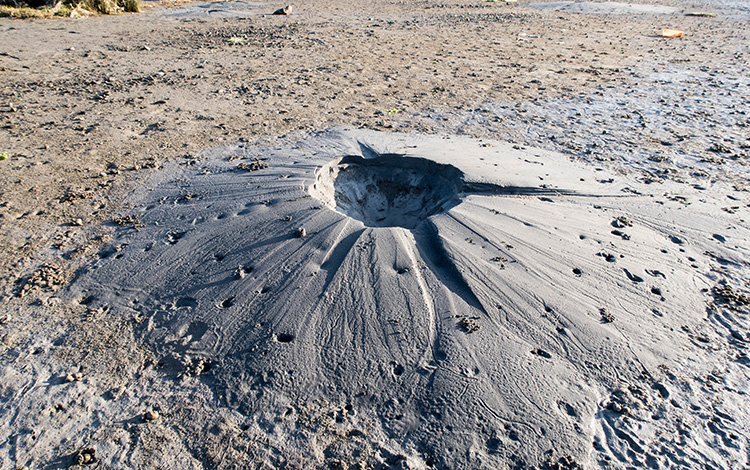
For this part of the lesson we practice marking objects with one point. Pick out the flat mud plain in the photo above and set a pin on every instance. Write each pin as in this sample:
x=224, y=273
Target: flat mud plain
x=576, y=299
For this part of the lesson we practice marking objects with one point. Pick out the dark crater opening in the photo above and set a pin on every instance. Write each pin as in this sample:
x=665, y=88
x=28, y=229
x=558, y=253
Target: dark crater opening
x=388, y=191
x=284, y=338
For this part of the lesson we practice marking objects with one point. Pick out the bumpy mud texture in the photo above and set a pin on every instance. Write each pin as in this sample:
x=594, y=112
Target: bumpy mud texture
x=461, y=329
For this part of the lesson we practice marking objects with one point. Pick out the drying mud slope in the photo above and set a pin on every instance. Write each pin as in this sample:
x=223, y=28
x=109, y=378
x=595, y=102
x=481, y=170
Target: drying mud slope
x=389, y=235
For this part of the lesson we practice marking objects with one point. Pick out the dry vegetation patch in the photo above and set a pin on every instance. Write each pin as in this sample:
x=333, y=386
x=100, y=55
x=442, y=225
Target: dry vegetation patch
x=68, y=8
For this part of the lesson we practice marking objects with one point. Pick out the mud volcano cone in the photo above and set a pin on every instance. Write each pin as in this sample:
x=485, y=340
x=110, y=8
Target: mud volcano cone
x=451, y=303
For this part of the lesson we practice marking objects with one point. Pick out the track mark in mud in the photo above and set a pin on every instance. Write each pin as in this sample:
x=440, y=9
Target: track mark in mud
x=633, y=277
x=174, y=237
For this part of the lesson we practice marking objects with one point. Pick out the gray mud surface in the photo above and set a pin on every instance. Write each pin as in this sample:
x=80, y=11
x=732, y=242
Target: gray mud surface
x=236, y=9
x=175, y=293
x=407, y=279
x=603, y=8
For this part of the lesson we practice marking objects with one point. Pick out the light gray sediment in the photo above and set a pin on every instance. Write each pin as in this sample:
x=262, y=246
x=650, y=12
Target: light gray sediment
x=465, y=328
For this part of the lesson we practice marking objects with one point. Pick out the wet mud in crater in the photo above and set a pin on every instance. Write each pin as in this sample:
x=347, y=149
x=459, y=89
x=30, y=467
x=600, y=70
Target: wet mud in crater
x=388, y=191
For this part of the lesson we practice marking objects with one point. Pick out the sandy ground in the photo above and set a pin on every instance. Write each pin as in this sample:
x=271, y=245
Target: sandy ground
x=96, y=112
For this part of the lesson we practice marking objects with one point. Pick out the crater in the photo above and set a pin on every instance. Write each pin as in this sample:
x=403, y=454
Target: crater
x=388, y=191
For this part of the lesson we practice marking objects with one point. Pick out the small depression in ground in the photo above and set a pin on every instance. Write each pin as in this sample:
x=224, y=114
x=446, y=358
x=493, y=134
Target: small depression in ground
x=388, y=191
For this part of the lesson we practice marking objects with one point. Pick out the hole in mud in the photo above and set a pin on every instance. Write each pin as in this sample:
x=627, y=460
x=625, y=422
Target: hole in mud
x=388, y=191
x=541, y=353
x=284, y=338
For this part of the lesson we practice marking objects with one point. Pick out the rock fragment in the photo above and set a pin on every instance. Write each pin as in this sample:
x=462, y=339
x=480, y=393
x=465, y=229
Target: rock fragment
x=287, y=10
x=469, y=324
x=151, y=415
x=74, y=377
x=255, y=165
x=86, y=456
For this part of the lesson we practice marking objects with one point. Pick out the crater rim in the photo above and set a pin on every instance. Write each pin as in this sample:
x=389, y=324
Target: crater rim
x=390, y=190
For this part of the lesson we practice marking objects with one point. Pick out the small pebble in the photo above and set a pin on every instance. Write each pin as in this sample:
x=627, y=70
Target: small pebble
x=287, y=10
x=86, y=456
x=74, y=377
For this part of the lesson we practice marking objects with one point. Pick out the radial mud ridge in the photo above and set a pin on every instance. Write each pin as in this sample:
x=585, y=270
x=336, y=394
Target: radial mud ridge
x=388, y=191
